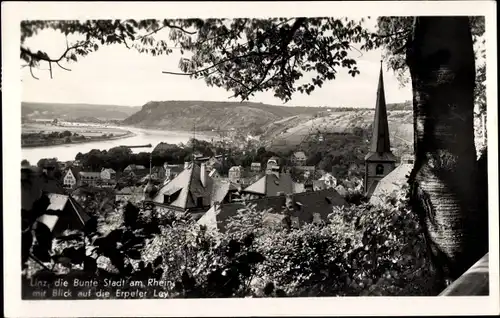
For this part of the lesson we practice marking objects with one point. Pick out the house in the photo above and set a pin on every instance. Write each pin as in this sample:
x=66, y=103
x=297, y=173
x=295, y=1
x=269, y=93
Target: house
x=71, y=177
x=250, y=177
x=198, y=157
x=299, y=158
x=108, y=173
x=273, y=161
x=255, y=167
x=89, y=178
x=192, y=191
x=215, y=162
x=291, y=210
x=379, y=161
x=214, y=174
x=64, y=213
x=129, y=194
x=139, y=173
x=133, y=167
x=235, y=174
x=270, y=185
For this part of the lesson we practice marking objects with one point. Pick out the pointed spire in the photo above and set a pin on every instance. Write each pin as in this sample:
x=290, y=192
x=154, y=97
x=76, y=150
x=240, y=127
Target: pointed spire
x=380, y=138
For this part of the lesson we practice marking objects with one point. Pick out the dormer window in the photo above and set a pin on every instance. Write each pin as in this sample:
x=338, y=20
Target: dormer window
x=167, y=199
x=379, y=169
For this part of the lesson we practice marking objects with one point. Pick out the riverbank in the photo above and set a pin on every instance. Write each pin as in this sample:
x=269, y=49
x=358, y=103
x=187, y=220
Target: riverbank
x=62, y=141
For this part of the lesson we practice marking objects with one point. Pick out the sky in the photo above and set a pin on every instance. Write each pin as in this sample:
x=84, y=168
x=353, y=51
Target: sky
x=116, y=75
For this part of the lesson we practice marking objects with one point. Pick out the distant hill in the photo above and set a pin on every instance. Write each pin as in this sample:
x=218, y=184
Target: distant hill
x=207, y=115
x=282, y=135
x=33, y=110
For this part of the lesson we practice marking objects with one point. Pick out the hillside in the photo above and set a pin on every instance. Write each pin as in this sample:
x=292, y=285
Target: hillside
x=32, y=110
x=289, y=134
x=207, y=115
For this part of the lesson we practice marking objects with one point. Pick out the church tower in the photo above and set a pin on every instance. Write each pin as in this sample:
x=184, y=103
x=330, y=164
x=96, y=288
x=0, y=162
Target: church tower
x=379, y=161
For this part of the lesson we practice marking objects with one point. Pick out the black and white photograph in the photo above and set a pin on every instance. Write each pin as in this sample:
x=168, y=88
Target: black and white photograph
x=331, y=153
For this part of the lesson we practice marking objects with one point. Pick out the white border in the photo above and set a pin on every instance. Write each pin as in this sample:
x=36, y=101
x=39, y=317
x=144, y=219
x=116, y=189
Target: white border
x=14, y=12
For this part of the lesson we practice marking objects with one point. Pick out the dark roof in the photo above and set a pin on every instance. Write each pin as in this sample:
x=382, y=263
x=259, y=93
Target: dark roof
x=34, y=183
x=188, y=182
x=73, y=217
x=380, y=138
x=308, y=205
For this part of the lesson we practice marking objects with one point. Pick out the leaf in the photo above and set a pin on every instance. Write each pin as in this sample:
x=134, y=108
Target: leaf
x=73, y=57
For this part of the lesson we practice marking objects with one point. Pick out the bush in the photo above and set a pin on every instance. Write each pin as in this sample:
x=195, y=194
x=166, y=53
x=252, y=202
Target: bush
x=360, y=250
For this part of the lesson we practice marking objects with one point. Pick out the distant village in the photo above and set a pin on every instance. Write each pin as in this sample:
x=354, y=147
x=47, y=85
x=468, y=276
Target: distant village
x=199, y=187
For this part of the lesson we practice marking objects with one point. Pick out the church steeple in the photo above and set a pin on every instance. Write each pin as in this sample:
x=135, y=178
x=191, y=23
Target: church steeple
x=379, y=161
x=380, y=138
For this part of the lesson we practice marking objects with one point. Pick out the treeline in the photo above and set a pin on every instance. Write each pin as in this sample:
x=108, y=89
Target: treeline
x=120, y=157
x=335, y=152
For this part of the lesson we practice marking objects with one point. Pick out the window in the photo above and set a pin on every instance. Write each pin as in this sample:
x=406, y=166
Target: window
x=166, y=199
x=379, y=169
x=199, y=202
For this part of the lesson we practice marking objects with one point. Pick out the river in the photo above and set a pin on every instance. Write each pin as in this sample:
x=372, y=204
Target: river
x=142, y=137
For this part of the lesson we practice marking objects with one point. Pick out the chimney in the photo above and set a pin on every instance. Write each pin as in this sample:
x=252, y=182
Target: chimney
x=203, y=174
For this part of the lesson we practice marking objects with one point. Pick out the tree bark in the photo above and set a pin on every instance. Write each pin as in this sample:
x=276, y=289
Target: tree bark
x=444, y=179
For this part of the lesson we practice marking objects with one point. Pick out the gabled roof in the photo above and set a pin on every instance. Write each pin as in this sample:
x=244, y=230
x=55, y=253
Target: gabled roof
x=220, y=189
x=391, y=182
x=380, y=138
x=309, y=205
x=34, y=183
x=300, y=155
x=75, y=171
x=271, y=184
x=134, y=167
x=60, y=203
x=189, y=182
x=110, y=170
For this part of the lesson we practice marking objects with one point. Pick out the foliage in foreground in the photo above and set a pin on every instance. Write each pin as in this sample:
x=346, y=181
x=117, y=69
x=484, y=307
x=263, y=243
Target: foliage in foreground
x=360, y=250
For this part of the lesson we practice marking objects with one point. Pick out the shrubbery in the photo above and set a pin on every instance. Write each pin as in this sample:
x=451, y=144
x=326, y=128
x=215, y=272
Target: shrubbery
x=360, y=250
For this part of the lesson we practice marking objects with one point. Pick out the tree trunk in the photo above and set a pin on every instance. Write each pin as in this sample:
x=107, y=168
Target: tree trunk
x=443, y=181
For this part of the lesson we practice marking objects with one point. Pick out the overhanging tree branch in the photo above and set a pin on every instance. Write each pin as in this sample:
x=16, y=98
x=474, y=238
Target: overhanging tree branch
x=216, y=64
x=40, y=56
